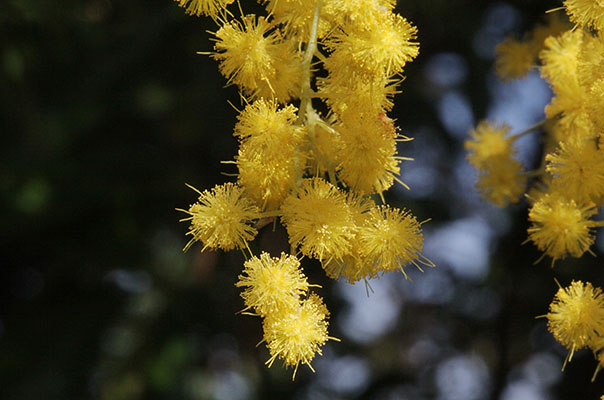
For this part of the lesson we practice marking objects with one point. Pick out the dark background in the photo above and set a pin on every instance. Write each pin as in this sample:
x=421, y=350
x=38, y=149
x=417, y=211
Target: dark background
x=107, y=111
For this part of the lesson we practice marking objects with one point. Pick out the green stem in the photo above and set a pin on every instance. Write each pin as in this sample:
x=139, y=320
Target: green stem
x=311, y=48
x=529, y=130
x=535, y=173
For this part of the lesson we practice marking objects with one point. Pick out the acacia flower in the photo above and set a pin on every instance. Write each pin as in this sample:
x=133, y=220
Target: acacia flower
x=318, y=220
x=356, y=95
x=368, y=161
x=576, y=316
x=486, y=142
x=383, y=51
x=272, y=285
x=297, y=335
x=515, y=58
x=297, y=17
x=502, y=180
x=271, y=156
x=221, y=218
x=249, y=53
x=561, y=227
x=390, y=238
x=589, y=13
x=262, y=118
x=354, y=265
x=578, y=170
x=210, y=8
x=358, y=15
x=559, y=58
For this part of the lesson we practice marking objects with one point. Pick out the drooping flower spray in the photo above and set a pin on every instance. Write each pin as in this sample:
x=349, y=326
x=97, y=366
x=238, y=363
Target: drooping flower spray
x=568, y=188
x=318, y=173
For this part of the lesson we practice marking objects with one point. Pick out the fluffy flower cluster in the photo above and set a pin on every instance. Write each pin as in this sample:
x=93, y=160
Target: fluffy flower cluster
x=576, y=319
x=314, y=173
x=501, y=177
x=568, y=188
x=295, y=322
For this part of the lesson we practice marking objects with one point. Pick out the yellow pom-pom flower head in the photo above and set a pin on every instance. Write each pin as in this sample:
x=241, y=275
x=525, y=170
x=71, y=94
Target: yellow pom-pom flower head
x=368, y=161
x=578, y=169
x=221, y=218
x=576, y=316
x=271, y=154
x=391, y=238
x=589, y=13
x=559, y=58
x=318, y=220
x=263, y=118
x=561, y=227
x=502, y=180
x=382, y=51
x=514, y=59
x=355, y=265
x=297, y=335
x=210, y=8
x=272, y=285
x=487, y=141
x=344, y=93
x=251, y=52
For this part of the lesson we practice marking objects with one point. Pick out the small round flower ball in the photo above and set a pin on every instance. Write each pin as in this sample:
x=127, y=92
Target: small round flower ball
x=272, y=285
x=487, y=141
x=210, y=8
x=502, y=180
x=390, y=238
x=221, y=218
x=589, y=13
x=578, y=169
x=296, y=336
x=515, y=58
x=319, y=220
x=576, y=315
x=561, y=227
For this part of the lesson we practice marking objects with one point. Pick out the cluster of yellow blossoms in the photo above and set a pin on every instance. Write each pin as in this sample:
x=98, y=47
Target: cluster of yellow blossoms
x=576, y=319
x=317, y=173
x=569, y=185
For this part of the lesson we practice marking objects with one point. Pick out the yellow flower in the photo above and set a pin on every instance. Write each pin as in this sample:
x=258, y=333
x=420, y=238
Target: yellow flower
x=383, y=51
x=318, y=220
x=355, y=265
x=358, y=15
x=345, y=94
x=502, y=180
x=390, y=238
x=367, y=159
x=578, y=170
x=272, y=285
x=268, y=170
x=296, y=335
x=559, y=58
x=271, y=155
x=576, y=316
x=487, y=141
x=296, y=16
x=253, y=56
x=589, y=13
x=263, y=119
x=210, y=8
x=221, y=217
x=589, y=63
x=515, y=58
x=560, y=227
